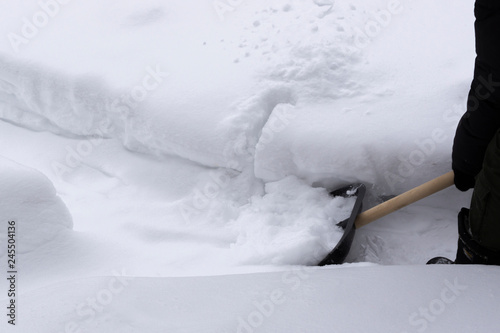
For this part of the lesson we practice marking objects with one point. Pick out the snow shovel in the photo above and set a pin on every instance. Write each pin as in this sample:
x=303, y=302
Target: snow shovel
x=358, y=219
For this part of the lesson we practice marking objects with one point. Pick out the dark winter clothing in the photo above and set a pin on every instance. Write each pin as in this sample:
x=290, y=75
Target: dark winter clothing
x=476, y=148
x=470, y=251
x=485, y=204
x=482, y=119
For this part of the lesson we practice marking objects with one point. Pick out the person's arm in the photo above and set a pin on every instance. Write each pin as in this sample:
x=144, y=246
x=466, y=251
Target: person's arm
x=482, y=118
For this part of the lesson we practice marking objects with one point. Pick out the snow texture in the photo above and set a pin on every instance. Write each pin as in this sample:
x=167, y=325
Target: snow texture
x=29, y=199
x=169, y=164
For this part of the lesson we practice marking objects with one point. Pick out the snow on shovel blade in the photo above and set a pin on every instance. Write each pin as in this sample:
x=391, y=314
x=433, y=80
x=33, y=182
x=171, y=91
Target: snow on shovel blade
x=339, y=253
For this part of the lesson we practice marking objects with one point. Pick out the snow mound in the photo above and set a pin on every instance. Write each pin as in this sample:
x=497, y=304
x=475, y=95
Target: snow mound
x=437, y=298
x=29, y=199
x=292, y=223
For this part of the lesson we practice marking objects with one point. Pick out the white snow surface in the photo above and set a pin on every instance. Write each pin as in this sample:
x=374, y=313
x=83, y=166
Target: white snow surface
x=30, y=199
x=168, y=164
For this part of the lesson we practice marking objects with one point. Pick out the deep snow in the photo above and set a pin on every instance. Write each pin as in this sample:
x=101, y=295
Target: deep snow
x=349, y=299
x=201, y=138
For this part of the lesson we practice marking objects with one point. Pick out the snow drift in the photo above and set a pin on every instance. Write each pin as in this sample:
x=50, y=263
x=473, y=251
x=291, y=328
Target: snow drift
x=29, y=199
x=295, y=300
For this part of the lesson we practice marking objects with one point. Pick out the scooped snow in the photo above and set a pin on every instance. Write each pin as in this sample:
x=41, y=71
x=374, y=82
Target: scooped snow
x=289, y=218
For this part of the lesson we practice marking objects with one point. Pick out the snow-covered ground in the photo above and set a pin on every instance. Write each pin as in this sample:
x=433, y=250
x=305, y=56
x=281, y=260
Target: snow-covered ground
x=167, y=165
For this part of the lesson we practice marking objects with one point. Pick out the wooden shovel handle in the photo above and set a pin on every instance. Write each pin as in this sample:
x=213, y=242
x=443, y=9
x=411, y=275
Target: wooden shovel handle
x=403, y=200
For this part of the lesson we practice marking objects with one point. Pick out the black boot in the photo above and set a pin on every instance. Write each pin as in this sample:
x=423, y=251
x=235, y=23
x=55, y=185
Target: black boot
x=439, y=261
x=468, y=251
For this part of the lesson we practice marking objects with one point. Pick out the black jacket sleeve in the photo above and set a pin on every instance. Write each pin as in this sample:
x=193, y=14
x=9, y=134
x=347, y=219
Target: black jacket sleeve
x=482, y=118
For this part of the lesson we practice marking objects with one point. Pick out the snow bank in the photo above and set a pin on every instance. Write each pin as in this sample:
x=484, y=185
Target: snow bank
x=348, y=299
x=393, y=118
x=29, y=199
x=194, y=100
x=208, y=97
x=329, y=144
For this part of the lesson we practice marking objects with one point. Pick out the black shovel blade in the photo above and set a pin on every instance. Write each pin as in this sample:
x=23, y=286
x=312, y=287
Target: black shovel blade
x=339, y=253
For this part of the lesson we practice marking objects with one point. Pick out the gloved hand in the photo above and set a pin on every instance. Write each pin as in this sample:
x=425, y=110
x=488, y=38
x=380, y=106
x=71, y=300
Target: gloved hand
x=464, y=181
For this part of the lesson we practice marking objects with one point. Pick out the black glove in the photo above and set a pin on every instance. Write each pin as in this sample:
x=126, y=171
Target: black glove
x=464, y=181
